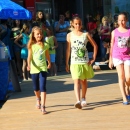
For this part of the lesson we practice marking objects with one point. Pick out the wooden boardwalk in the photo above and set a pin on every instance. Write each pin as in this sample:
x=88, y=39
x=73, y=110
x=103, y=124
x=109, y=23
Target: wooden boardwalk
x=103, y=112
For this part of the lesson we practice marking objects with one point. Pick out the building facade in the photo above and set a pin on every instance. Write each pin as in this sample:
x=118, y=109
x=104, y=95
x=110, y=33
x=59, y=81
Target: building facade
x=81, y=7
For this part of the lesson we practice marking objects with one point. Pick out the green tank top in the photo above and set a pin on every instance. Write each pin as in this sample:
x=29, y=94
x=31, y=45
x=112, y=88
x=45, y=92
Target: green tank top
x=50, y=41
x=38, y=62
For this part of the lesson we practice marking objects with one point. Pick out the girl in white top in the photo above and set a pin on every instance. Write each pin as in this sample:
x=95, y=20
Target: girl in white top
x=80, y=67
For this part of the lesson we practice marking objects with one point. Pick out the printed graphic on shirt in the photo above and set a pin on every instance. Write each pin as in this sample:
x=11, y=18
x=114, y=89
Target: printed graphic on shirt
x=39, y=58
x=123, y=42
x=79, y=50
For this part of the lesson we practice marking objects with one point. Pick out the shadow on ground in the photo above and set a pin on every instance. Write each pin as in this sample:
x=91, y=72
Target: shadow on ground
x=90, y=106
x=58, y=84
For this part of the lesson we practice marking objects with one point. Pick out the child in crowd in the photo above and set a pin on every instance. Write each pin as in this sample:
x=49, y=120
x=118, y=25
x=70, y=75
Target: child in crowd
x=24, y=37
x=104, y=31
x=51, y=40
x=70, y=29
x=37, y=55
x=104, y=65
x=80, y=67
x=115, y=25
x=120, y=54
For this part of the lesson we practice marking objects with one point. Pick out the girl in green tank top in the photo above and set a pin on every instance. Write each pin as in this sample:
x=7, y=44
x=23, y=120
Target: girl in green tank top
x=51, y=40
x=37, y=55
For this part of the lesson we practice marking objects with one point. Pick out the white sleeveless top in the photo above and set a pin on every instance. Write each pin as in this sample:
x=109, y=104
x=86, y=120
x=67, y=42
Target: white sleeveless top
x=79, y=53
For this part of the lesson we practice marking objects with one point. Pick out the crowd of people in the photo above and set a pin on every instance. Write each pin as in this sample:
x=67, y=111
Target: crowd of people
x=44, y=46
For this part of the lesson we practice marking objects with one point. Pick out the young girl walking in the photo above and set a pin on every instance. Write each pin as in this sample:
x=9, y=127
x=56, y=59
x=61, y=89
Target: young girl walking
x=120, y=54
x=51, y=40
x=37, y=55
x=80, y=68
x=24, y=37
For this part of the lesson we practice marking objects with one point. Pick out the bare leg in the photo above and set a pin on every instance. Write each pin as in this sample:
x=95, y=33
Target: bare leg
x=37, y=94
x=43, y=98
x=121, y=78
x=24, y=68
x=43, y=101
x=55, y=69
x=127, y=89
x=127, y=79
x=84, y=88
x=77, y=89
x=51, y=69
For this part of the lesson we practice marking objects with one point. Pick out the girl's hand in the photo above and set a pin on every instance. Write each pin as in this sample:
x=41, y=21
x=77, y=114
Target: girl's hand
x=102, y=31
x=28, y=68
x=53, y=47
x=110, y=64
x=91, y=62
x=49, y=65
x=67, y=68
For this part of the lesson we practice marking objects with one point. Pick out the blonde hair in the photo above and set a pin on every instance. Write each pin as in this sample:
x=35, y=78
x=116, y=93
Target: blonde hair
x=32, y=39
x=104, y=18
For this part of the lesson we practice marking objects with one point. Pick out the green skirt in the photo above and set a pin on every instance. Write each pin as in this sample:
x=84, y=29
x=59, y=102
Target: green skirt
x=81, y=71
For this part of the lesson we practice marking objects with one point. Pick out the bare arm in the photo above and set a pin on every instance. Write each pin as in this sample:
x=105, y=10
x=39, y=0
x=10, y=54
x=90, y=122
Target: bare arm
x=57, y=28
x=68, y=52
x=48, y=59
x=101, y=31
x=55, y=43
x=29, y=58
x=108, y=33
x=17, y=39
x=93, y=43
x=64, y=30
x=111, y=49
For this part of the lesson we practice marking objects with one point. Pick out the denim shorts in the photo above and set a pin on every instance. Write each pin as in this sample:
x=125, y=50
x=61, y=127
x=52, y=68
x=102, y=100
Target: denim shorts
x=52, y=57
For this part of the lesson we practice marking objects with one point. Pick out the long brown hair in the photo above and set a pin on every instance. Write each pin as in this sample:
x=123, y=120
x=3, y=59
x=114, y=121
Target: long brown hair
x=32, y=39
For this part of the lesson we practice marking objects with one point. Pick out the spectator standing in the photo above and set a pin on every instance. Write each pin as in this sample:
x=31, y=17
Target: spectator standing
x=67, y=16
x=51, y=40
x=24, y=37
x=61, y=28
x=104, y=32
x=17, y=46
x=41, y=22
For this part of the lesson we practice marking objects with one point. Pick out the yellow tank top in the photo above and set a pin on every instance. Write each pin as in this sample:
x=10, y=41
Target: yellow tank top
x=50, y=41
x=38, y=62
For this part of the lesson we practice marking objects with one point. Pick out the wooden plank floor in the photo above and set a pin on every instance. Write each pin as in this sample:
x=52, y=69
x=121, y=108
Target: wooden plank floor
x=104, y=110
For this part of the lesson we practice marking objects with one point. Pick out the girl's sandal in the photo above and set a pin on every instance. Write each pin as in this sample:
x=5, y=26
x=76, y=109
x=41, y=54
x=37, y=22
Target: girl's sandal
x=43, y=110
x=38, y=104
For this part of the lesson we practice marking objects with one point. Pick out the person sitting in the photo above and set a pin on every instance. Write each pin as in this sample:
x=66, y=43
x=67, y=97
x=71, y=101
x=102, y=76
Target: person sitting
x=104, y=65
